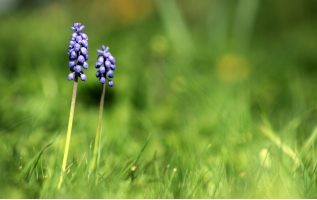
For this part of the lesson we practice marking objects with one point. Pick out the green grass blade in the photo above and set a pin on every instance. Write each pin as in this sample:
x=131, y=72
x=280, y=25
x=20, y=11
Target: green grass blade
x=139, y=155
x=28, y=168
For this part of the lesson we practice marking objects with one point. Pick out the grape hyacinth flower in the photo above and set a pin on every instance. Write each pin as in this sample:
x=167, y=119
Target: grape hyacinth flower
x=105, y=65
x=78, y=52
x=78, y=56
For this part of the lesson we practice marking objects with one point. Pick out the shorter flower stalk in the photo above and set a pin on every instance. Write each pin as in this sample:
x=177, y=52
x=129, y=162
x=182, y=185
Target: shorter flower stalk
x=105, y=65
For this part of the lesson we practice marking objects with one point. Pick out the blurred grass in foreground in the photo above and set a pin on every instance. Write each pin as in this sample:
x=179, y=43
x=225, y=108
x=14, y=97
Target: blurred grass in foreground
x=225, y=88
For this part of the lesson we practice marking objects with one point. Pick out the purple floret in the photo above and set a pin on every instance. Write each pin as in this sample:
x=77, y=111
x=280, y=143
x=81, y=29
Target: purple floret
x=102, y=80
x=84, y=36
x=79, y=39
x=110, y=74
x=97, y=65
x=81, y=59
x=85, y=65
x=98, y=74
x=107, y=63
x=111, y=59
x=100, y=59
x=83, y=77
x=70, y=50
x=84, y=43
x=76, y=47
x=78, y=68
x=74, y=36
x=113, y=67
x=72, y=63
x=106, y=55
x=83, y=50
x=73, y=55
x=102, y=69
x=110, y=83
x=72, y=43
x=70, y=76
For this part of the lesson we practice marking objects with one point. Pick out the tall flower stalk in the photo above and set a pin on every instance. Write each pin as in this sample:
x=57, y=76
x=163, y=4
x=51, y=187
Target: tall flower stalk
x=78, y=55
x=105, y=65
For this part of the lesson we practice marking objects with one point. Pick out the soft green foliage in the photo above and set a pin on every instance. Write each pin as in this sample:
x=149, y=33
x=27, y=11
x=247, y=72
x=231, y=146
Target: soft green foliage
x=213, y=99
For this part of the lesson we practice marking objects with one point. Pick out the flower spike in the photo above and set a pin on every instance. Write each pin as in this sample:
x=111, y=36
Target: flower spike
x=105, y=65
x=78, y=52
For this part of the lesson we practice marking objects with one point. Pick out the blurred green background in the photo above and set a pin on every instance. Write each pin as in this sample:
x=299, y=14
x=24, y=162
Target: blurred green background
x=205, y=78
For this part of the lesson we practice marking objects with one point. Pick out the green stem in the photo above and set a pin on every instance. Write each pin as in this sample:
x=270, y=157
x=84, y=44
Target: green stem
x=69, y=130
x=96, y=148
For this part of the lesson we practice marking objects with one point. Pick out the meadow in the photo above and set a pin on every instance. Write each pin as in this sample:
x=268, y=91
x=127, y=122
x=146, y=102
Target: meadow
x=211, y=99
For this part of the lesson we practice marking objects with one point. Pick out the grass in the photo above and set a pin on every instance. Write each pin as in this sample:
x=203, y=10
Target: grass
x=193, y=114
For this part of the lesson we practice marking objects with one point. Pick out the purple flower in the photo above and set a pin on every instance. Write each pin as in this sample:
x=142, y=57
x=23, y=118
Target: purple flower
x=102, y=70
x=113, y=67
x=78, y=69
x=110, y=83
x=105, y=65
x=70, y=76
x=85, y=65
x=83, y=77
x=72, y=63
x=110, y=74
x=81, y=59
x=102, y=80
x=78, y=52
